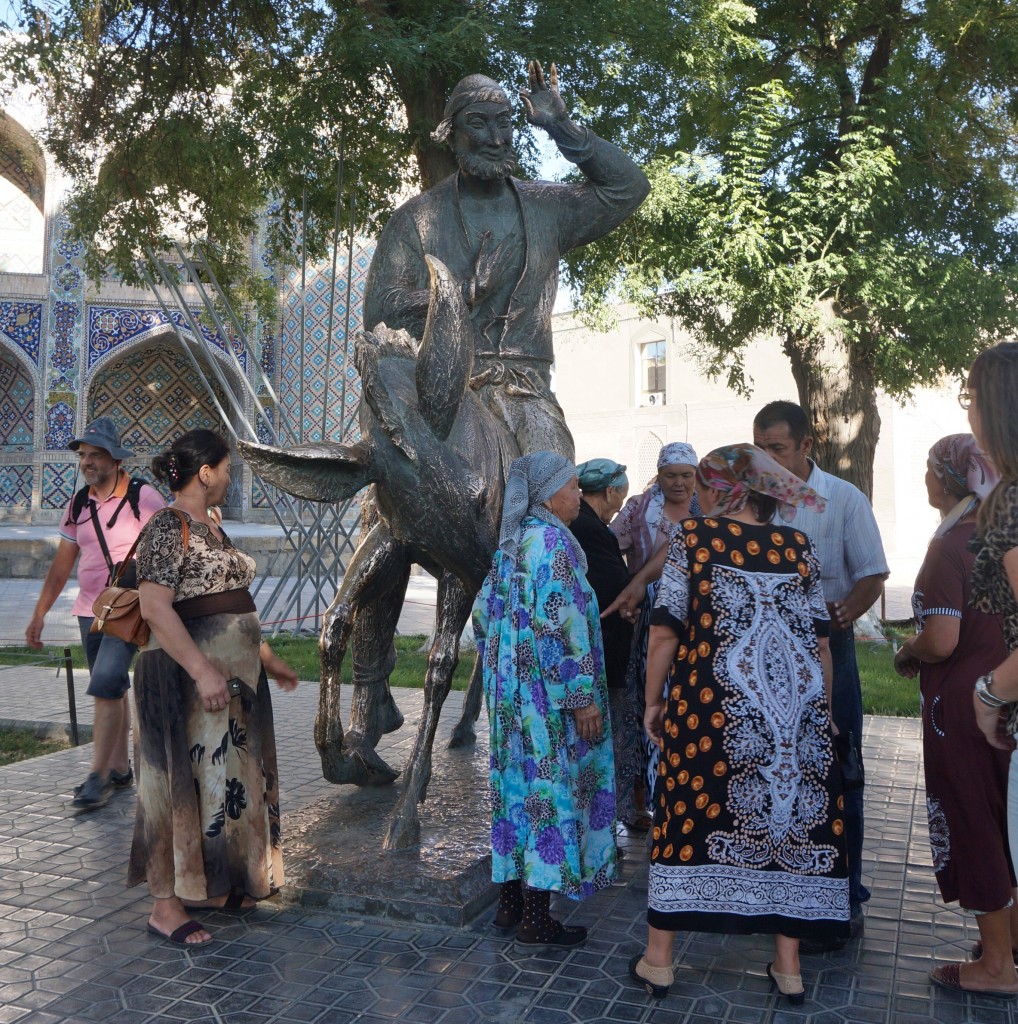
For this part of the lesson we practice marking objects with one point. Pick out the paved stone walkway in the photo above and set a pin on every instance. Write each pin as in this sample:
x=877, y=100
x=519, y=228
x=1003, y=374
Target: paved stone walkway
x=73, y=946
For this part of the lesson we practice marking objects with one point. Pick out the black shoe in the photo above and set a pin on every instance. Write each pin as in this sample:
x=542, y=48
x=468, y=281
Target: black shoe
x=658, y=989
x=122, y=780
x=93, y=793
x=562, y=937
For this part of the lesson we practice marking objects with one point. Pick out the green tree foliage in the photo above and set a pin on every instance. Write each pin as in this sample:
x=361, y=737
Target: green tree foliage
x=186, y=117
x=852, y=191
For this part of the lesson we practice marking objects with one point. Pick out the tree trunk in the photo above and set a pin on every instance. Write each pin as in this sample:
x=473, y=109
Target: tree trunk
x=836, y=387
x=425, y=103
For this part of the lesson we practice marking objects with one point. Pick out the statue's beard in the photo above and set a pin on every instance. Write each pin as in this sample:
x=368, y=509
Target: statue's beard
x=482, y=167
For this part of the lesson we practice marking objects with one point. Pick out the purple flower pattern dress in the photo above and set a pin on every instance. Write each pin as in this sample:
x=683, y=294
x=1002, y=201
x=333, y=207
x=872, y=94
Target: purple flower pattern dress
x=552, y=795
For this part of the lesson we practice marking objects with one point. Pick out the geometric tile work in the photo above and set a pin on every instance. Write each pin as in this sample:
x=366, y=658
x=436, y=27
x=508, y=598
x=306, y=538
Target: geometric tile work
x=306, y=381
x=22, y=323
x=17, y=407
x=74, y=946
x=109, y=326
x=59, y=427
x=64, y=321
x=16, y=486
x=154, y=395
x=58, y=483
x=66, y=297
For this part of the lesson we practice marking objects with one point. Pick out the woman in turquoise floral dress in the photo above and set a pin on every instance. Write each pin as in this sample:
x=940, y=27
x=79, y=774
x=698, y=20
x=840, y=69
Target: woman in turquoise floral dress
x=552, y=778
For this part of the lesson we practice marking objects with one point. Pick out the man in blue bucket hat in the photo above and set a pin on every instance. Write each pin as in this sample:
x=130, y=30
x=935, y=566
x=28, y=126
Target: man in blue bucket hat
x=100, y=524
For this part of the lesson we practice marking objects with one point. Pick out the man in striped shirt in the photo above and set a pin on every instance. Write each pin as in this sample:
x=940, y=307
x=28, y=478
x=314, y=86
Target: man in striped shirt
x=853, y=569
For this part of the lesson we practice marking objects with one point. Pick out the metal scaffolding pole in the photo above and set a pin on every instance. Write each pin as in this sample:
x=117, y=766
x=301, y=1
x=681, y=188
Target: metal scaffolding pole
x=318, y=537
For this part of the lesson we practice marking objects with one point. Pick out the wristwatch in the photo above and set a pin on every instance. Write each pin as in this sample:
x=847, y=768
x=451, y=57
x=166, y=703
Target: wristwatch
x=986, y=695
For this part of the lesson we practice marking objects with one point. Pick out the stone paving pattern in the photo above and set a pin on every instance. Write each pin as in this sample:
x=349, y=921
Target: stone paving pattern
x=73, y=946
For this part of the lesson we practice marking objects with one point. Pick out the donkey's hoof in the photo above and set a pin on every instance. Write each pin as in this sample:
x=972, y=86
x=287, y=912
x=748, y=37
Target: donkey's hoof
x=390, y=718
x=463, y=735
x=357, y=765
x=402, y=834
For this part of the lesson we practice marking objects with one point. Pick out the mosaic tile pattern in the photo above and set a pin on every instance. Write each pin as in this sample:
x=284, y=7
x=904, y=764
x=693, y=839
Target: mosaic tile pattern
x=16, y=486
x=111, y=326
x=64, y=330
x=21, y=322
x=334, y=388
x=67, y=303
x=58, y=483
x=13, y=169
x=17, y=412
x=153, y=395
x=59, y=426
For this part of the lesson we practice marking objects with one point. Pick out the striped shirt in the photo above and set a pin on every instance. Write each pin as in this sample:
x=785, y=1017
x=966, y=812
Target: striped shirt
x=845, y=535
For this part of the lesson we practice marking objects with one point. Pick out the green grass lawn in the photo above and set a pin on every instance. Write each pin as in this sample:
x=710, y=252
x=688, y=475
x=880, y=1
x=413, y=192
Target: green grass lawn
x=21, y=744
x=884, y=692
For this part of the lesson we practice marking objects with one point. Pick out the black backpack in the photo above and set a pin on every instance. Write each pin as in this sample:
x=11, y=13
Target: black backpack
x=131, y=498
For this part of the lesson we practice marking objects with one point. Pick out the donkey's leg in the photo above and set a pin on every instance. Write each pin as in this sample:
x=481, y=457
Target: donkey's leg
x=451, y=615
x=463, y=735
x=349, y=759
x=374, y=710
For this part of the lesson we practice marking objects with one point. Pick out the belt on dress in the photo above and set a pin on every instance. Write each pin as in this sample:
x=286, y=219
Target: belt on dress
x=225, y=602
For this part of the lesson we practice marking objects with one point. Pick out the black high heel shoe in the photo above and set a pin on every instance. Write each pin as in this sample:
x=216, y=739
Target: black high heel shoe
x=789, y=985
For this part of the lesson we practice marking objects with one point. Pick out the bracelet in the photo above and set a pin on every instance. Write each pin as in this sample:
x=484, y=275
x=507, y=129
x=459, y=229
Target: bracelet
x=986, y=695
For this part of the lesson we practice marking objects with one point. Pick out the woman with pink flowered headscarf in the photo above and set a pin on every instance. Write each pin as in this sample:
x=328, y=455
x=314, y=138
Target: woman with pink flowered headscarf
x=966, y=778
x=748, y=832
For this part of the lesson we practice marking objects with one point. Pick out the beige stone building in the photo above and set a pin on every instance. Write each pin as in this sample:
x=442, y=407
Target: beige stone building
x=629, y=391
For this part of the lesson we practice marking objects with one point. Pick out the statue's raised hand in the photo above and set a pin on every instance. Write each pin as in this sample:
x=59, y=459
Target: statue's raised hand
x=542, y=101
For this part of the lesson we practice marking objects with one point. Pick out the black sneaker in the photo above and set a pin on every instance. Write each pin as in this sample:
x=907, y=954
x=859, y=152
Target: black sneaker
x=122, y=780
x=93, y=793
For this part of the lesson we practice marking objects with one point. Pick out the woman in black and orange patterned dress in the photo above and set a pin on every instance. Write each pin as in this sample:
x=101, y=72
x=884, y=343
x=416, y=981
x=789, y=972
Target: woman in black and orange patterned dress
x=748, y=833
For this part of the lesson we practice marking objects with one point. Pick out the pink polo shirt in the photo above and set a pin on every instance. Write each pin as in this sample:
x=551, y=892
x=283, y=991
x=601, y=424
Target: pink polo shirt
x=92, y=568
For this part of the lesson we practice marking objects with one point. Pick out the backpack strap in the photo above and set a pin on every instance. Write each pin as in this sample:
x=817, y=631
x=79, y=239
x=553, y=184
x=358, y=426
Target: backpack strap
x=77, y=506
x=134, y=486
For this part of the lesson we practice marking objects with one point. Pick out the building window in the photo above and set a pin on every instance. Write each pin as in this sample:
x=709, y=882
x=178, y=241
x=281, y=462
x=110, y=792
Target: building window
x=652, y=373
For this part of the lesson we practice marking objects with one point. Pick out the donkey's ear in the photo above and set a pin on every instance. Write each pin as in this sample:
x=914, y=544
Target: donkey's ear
x=318, y=472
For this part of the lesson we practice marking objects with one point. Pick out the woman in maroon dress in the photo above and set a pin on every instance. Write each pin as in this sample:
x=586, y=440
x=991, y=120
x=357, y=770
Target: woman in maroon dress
x=966, y=778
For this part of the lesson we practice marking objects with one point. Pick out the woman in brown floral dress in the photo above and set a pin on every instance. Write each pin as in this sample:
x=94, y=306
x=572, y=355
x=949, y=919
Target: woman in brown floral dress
x=207, y=827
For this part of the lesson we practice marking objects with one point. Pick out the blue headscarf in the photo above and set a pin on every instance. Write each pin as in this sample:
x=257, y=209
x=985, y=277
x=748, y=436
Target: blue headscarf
x=599, y=474
x=533, y=479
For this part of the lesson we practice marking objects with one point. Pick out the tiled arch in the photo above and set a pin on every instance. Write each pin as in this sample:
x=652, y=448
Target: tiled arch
x=17, y=419
x=153, y=394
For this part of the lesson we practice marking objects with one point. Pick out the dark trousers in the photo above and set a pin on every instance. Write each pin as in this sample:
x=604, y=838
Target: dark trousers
x=847, y=713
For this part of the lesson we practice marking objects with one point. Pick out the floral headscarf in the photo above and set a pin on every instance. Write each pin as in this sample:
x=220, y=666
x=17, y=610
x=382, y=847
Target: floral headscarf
x=599, y=474
x=964, y=469
x=736, y=470
x=678, y=453
x=532, y=480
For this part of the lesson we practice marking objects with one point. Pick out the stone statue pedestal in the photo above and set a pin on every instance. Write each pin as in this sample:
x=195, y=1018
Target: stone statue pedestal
x=333, y=852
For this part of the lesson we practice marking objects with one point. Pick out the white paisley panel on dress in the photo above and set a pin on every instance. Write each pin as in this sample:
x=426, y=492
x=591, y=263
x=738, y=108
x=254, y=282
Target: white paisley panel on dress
x=723, y=889
x=776, y=731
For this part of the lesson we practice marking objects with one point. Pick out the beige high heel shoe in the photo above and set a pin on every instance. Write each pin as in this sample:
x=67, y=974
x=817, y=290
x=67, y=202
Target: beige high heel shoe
x=789, y=985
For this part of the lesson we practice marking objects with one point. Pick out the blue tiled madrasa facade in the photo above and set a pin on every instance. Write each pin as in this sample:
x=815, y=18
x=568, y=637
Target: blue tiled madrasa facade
x=71, y=350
